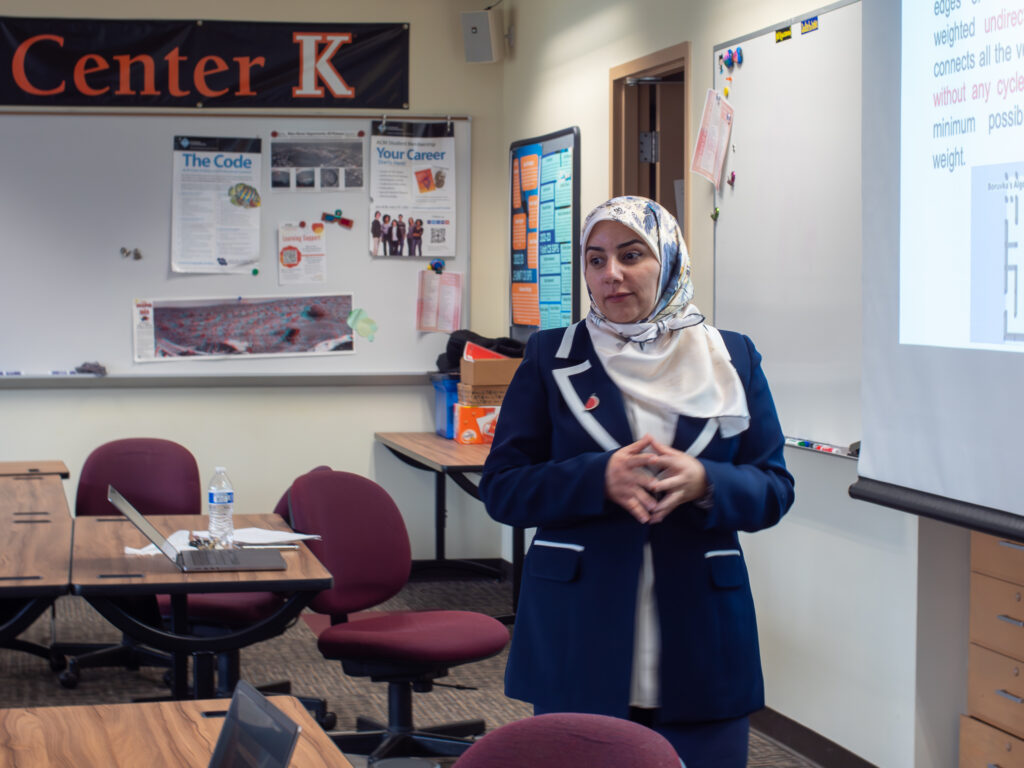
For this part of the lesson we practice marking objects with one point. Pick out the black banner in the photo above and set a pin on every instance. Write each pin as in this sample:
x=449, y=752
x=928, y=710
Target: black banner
x=118, y=63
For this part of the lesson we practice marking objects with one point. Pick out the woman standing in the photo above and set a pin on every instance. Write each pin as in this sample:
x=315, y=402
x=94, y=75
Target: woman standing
x=416, y=237
x=638, y=443
x=385, y=233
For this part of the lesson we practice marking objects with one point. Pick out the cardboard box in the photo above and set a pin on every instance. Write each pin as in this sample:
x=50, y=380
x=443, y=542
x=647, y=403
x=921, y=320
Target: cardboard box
x=476, y=394
x=474, y=424
x=488, y=372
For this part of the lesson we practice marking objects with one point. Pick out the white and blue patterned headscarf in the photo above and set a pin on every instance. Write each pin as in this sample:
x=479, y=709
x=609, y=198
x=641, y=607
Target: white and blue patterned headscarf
x=660, y=230
x=676, y=363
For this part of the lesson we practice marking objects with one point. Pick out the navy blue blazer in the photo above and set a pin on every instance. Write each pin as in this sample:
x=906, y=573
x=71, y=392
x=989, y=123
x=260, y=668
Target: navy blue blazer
x=572, y=646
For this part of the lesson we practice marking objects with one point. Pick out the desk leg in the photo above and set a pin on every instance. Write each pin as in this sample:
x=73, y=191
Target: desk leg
x=440, y=514
x=179, y=664
x=202, y=676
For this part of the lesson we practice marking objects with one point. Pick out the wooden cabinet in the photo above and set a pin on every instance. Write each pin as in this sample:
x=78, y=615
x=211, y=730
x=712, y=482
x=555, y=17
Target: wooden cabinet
x=992, y=735
x=982, y=746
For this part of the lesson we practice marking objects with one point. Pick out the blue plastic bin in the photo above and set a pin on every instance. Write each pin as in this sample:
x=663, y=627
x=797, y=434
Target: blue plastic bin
x=446, y=393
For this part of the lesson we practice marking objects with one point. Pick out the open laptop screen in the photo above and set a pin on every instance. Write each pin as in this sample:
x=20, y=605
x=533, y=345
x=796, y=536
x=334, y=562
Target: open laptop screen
x=151, y=533
x=256, y=734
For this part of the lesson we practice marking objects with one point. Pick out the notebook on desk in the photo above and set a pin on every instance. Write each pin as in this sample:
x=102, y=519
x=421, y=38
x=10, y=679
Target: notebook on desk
x=194, y=560
x=255, y=733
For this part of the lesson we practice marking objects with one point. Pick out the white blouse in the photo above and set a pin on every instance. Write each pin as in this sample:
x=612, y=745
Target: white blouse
x=644, y=692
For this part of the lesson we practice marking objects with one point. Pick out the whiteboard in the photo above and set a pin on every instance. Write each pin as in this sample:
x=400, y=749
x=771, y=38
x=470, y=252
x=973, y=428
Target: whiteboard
x=77, y=189
x=788, y=233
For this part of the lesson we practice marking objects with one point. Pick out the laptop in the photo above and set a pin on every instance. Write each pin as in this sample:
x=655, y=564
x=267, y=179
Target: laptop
x=255, y=733
x=193, y=560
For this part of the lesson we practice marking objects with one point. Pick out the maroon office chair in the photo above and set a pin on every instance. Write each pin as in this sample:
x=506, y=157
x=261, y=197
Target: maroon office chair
x=159, y=477
x=365, y=546
x=571, y=740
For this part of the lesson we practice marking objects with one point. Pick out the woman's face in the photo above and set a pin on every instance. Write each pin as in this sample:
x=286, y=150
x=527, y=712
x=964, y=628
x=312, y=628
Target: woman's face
x=621, y=272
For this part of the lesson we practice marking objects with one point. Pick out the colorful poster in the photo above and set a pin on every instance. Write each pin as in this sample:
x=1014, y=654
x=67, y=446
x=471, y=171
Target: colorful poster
x=215, y=204
x=542, y=225
x=166, y=329
x=301, y=254
x=412, y=190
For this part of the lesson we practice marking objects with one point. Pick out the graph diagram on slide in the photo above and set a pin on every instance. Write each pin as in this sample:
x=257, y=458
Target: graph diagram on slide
x=997, y=255
x=1013, y=313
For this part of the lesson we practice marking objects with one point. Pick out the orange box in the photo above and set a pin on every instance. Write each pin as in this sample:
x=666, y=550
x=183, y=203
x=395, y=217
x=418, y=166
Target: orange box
x=474, y=424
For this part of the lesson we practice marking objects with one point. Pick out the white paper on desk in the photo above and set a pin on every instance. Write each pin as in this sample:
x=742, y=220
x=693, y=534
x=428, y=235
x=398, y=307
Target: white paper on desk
x=178, y=539
x=263, y=536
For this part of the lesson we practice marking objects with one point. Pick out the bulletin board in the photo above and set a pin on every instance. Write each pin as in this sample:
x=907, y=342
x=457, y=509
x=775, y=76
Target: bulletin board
x=788, y=215
x=85, y=212
x=544, y=224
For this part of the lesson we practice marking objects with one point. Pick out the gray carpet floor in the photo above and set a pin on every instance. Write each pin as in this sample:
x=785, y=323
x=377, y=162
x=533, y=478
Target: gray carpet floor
x=26, y=680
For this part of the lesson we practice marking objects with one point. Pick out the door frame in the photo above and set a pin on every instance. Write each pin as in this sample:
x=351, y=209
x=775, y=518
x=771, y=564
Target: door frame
x=627, y=103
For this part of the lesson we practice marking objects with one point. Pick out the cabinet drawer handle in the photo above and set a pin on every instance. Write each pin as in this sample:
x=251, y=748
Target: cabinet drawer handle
x=1011, y=544
x=1007, y=695
x=1010, y=620
x=992, y=765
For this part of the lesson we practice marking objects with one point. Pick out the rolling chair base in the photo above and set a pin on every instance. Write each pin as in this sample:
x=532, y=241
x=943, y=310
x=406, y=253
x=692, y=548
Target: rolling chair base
x=126, y=656
x=400, y=739
x=378, y=745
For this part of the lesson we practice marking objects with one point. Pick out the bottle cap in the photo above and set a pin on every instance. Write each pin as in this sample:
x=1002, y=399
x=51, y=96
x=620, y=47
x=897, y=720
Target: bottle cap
x=219, y=469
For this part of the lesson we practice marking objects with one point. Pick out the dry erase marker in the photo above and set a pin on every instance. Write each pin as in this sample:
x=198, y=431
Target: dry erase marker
x=12, y=373
x=62, y=373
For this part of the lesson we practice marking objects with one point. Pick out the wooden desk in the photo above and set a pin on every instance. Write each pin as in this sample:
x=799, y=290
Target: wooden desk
x=175, y=734
x=34, y=468
x=101, y=572
x=446, y=458
x=36, y=556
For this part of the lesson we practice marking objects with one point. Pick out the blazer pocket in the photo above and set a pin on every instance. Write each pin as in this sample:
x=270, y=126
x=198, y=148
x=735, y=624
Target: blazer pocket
x=727, y=568
x=554, y=561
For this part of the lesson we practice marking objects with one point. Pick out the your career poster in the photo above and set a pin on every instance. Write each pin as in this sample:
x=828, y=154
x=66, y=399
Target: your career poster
x=412, y=189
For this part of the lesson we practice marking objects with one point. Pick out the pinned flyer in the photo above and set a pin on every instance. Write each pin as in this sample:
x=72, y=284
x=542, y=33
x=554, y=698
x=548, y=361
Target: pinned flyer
x=301, y=254
x=439, y=303
x=713, y=138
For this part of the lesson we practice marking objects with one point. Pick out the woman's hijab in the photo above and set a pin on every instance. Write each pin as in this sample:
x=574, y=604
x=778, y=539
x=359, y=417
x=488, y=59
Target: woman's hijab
x=672, y=360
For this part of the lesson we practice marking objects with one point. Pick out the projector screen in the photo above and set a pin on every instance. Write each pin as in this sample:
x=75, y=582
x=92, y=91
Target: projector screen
x=961, y=175
x=943, y=180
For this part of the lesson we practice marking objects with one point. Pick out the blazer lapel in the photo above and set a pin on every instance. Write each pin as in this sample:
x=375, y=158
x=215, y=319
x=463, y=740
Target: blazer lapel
x=589, y=394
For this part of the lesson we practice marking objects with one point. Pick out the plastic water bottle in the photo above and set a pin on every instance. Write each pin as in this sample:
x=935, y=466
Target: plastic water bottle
x=220, y=503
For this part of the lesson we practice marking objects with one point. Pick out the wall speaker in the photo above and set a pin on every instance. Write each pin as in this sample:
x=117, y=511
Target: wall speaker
x=483, y=36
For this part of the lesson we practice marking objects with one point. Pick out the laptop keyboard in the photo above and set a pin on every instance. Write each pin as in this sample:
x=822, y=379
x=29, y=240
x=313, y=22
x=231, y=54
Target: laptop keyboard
x=207, y=557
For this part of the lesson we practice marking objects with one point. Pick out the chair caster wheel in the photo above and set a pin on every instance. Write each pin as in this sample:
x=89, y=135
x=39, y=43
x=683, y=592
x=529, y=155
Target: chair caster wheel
x=328, y=721
x=58, y=662
x=68, y=679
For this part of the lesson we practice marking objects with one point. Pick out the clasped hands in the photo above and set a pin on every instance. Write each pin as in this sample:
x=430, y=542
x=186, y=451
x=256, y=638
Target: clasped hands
x=649, y=479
